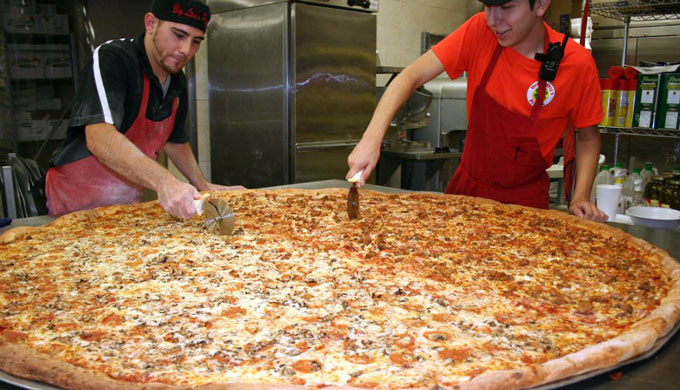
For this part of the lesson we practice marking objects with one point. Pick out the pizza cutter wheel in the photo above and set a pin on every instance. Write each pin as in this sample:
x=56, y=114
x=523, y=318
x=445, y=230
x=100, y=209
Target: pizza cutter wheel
x=219, y=217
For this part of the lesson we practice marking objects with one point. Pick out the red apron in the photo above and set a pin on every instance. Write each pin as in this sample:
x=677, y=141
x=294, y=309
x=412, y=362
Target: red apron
x=86, y=183
x=502, y=160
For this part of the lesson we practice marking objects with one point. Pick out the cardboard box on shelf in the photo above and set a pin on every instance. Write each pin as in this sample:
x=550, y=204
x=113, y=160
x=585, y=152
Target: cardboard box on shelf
x=669, y=101
x=21, y=23
x=37, y=130
x=26, y=65
x=48, y=61
x=54, y=23
x=644, y=114
x=32, y=130
x=57, y=65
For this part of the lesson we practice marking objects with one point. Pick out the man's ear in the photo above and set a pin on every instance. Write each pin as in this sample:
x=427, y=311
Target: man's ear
x=150, y=22
x=541, y=6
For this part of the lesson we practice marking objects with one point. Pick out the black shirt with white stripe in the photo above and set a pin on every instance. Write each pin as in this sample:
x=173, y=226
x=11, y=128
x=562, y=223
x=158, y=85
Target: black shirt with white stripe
x=110, y=91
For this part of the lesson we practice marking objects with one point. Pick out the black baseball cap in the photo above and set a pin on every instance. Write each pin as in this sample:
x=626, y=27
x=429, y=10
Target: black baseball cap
x=495, y=2
x=190, y=12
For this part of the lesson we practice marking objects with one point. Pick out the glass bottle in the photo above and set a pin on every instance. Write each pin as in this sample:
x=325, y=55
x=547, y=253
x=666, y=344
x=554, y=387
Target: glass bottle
x=653, y=191
x=670, y=195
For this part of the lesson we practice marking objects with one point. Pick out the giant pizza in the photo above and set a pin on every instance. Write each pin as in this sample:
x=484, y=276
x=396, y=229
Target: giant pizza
x=422, y=290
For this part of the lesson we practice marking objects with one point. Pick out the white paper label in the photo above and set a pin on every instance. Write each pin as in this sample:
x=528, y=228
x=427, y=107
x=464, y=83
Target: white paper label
x=671, y=120
x=673, y=97
x=647, y=96
x=645, y=118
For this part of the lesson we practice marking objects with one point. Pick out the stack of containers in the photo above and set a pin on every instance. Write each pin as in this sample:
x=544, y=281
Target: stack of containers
x=657, y=101
x=618, y=96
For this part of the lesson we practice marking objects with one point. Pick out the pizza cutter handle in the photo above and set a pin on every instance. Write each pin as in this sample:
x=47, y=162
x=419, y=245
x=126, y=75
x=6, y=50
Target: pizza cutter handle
x=356, y=177
x=199, y=203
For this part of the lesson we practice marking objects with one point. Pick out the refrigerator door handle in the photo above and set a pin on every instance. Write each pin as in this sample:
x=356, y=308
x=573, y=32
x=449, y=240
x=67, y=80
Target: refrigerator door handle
x=325, y=145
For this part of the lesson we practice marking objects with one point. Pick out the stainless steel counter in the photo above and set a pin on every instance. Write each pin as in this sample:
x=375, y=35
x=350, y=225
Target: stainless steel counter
x=658, y=372
x=421, y=155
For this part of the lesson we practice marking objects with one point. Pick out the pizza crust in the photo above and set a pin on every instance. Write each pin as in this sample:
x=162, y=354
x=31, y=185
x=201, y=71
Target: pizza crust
x=23, y=362
x=16, y=233
x=20, y=361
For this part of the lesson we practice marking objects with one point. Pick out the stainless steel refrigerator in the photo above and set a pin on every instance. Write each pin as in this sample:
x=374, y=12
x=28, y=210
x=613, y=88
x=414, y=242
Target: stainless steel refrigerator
x=291, y=88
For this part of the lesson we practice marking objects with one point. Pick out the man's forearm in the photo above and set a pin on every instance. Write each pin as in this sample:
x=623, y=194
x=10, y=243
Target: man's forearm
x=183, y=158
x=588, y=153
x=117, y=153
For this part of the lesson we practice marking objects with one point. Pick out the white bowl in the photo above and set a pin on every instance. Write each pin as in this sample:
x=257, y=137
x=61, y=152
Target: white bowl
x=654, y=217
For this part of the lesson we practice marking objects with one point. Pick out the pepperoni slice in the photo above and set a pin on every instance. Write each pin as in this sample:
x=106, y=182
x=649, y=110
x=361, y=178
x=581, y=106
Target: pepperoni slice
x=307, y=366
x=457, y=354
x=402, y=358
x=93, y=335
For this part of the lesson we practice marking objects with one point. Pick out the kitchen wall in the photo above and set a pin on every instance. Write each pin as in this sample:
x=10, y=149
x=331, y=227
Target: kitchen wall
x=401, y=23
x=399, y=28
x=115, y=19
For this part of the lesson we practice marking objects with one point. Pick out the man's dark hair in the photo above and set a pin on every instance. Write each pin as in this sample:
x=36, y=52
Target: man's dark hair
x=531, y=4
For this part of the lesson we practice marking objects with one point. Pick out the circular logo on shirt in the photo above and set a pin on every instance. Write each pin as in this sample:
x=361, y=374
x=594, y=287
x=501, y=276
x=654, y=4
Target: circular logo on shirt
x=532, y=93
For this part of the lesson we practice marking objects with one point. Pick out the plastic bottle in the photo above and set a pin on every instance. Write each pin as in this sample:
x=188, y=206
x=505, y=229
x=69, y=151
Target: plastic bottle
x=618, y=171
x=638, y=199
x=628, y=187
x=604, y=177
x=647, y=174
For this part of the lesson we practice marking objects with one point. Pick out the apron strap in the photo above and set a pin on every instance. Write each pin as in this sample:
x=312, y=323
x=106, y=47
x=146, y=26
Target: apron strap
x=538, y=105
x=491, y=66
x=541, y=83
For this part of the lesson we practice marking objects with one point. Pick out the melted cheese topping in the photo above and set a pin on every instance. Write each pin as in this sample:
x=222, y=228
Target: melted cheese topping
x=423, y=290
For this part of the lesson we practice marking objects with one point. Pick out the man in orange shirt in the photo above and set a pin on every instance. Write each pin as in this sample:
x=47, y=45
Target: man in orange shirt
x=512, y=134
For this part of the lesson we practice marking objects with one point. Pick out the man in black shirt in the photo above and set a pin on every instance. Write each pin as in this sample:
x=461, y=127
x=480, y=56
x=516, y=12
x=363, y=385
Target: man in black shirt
x=131, y=103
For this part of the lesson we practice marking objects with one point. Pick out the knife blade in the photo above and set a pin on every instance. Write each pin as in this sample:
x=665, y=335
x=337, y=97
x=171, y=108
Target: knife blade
x=353, y=196
x=219, y=217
